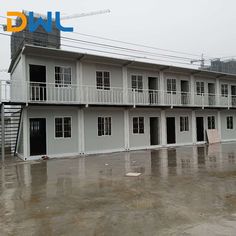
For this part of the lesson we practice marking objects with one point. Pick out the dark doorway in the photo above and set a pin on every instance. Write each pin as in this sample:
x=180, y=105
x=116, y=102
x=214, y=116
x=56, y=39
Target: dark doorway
x=154, y=130
x=211, y=94
x=170, y=127
x=37, y=83
x=153, y=87
x=200, y=129
x=37, y=136
x=184, y=92
x=233, y=95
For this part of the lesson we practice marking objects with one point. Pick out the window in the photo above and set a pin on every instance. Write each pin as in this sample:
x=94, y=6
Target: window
x=103, y=80
x=137, y=83
x=224, y=90
x=63, y=127
x=200, y=88
x=62, y=76
x=138, y=125
x=211, y=122
x=104, y=126
x=184, y=124
x=171, y=86
x=230, y=122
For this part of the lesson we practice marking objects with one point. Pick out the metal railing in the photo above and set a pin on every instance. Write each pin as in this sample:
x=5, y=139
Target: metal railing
x=36, y=92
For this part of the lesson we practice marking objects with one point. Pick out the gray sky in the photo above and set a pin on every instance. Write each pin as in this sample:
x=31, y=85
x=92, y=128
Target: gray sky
x=193, y=26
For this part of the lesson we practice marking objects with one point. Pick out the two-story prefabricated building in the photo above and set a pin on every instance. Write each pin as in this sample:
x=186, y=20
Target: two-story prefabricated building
x=76, y=103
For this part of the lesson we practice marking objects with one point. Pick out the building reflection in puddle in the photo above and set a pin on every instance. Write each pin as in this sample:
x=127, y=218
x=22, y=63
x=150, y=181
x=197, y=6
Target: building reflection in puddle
x=190, y=160
x=36, y=190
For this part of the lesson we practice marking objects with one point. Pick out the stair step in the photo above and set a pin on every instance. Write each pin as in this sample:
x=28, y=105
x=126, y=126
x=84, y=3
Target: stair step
x=12, y=116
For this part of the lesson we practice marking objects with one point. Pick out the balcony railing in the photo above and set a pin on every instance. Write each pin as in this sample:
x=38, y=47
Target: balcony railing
x=34, y=92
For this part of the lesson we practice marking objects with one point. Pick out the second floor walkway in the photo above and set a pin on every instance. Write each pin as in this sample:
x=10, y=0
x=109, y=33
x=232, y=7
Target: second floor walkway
x=51, y=93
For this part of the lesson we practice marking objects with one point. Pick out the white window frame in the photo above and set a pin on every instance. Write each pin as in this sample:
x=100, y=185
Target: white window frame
x=211, y=122
x=106, y=127
x=63, y=84
x=201, y=88
x=63, y=136
x=224, y=90
x=173, y=85
x=103, y=87
x=136, y=77
x=139, y=128
x=184, y=124
x=230, y=122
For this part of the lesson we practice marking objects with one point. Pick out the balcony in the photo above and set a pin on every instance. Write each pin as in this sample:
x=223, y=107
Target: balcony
x=50, y=93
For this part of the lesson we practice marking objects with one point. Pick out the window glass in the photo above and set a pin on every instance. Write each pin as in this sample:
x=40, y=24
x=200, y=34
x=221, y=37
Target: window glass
x=58, y=128
x=104, y=126
x=184, y=124
x=224, y=90
x=62, y=76
x=137, y=82
x=103, y=80
x=138, y=125
x=230, y=122
x=171, y=86
x=211, y=122
x=67, y=127
x=63, y=127
x=200, y=88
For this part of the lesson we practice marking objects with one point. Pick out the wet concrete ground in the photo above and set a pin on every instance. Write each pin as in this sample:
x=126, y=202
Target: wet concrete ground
x=182, y=191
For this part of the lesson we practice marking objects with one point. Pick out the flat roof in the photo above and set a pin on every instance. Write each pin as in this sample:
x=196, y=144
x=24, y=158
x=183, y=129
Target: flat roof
x=66, y=54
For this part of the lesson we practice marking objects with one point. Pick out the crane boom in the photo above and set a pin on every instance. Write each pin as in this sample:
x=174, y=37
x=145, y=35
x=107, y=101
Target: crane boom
x=92, y=13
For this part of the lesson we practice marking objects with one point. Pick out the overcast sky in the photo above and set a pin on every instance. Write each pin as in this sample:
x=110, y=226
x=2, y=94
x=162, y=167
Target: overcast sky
x=193, y=26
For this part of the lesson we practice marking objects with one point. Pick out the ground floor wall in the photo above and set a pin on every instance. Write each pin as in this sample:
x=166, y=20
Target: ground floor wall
x=105, y=129
x=95, y=143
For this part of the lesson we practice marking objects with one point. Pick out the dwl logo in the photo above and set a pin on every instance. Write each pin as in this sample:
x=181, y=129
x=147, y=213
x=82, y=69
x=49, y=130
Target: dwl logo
x=33, y=23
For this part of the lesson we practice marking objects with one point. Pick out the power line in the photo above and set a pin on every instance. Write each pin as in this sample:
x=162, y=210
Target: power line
x=119, y=48
x=133, y=44
x=147, y=58
x=114, y=53
x=127, y=49
x=136, y=44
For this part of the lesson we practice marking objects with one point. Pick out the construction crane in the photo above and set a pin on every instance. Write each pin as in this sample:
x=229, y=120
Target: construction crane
x=92, y=13
x=202, y=60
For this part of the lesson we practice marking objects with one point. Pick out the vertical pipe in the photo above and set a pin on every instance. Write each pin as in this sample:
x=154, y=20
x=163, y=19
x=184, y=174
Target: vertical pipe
x=162, y=88
x=126, y=129
x=125, y=84
x=163, y=128
x=192, y=89
x=219, y=124
x=3, y=131
x=194, y=133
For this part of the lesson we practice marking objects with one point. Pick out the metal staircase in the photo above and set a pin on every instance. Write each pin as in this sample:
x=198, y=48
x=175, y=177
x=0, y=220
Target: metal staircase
x=12, y=119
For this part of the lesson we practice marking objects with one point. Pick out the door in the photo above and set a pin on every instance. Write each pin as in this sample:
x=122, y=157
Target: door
x=37, y=136
x=211, y=94
x=154, y=131
x=184, y=92
x=153, y=87
x=200, y=129
x=233, y=95
x=37, y=83
x=170, y=128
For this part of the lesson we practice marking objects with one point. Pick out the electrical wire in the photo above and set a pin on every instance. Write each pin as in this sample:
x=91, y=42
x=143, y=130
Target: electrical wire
x=133, y=44
x=137, y=45
x=113, y=53
x=119, y=48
